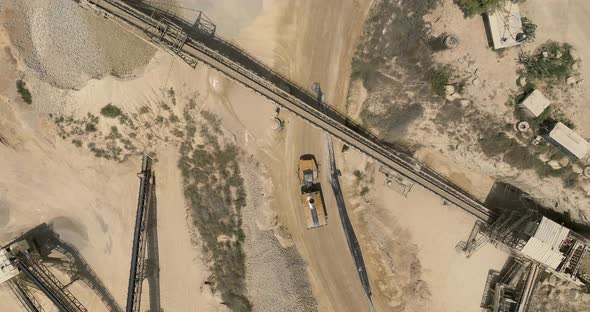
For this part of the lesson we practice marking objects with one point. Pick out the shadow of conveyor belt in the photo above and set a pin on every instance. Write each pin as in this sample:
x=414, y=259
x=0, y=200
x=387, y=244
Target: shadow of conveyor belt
x=353, y=244
x=153, y=253
x=46, y=240
x=85, y=273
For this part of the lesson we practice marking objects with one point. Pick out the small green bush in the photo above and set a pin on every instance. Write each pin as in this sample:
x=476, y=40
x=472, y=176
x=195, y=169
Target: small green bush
x=529, y=29
x=364, y=190
x=439, y=79
x=477, y=7
x=552, y=63
x=144, y=109
x=551, y=116
x=110, y=111
x=25, y=94
x=90, y=127
x=570, y=179
x=358, y=175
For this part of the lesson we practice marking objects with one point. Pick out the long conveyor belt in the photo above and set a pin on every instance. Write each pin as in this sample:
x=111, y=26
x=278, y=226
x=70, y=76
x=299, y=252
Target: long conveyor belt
x=136, y=271
x=272, y=86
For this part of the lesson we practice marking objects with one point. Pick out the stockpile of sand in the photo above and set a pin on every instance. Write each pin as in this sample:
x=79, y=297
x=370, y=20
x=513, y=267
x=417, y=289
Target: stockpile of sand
x=67, y=45
x=276, y=277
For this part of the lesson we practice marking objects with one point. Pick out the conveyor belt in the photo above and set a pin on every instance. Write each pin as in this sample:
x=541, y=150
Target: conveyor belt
x=136, y=273
x=286, y=94
x=24, y=298
x=43, y=279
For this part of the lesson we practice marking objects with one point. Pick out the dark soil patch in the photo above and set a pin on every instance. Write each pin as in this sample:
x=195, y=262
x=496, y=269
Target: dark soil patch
x=392, y=59
x=395, y=122
x=450, y=112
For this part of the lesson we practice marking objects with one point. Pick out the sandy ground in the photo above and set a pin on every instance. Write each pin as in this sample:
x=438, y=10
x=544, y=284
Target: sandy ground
x=305, y=27
x=410, y=243
x=182, y=271
x=91, y=202
x=180, y=261
x=312, y=42
x=229, y=16
x=293, y=50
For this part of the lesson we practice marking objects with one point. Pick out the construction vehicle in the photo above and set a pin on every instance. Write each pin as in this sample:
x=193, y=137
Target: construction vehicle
x=311, y=192
x=308, y=170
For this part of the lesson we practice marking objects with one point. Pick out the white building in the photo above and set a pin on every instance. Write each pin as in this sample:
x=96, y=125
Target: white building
x=557, y=249
x=569, y=141
x=544, y=245
x=505, y=26
x=534, y=104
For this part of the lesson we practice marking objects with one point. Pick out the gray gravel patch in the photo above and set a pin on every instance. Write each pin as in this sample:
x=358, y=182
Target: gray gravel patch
x=67, y=45
x=276, y=277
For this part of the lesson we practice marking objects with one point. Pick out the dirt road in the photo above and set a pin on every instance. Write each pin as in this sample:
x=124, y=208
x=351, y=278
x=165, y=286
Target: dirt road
x=312, y=43
x=322, y=52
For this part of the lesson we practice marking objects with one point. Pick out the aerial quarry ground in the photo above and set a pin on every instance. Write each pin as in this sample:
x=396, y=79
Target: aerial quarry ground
x=82, y=99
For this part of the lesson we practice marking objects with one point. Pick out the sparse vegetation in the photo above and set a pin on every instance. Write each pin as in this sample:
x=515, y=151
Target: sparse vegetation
x=570, y=180
x=559, y=116
x=542, y=119
x=215, y=192
x=144, y=109
x=25, y=94
x=126, y=137
x=90, y=127
x=551, y=64
x=439, y=79
x=525, y=157
x=173, y=118
x=212, y=182
x=549, y=117
x=529, y=29
x=359, y=175
x=477, y=7
x=110, y=111
x=364, y=191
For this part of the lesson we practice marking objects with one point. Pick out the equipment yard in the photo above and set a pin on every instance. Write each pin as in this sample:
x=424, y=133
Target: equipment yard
x=180, y=155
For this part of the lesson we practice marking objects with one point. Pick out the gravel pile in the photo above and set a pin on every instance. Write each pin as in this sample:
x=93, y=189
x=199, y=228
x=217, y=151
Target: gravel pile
x=67, y=45
x=555, y=295
x=276, y=277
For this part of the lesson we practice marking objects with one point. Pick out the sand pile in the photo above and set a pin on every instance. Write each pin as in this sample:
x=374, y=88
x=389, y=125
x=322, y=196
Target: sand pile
x=276, y=277
x=67, y=45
